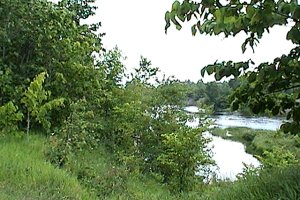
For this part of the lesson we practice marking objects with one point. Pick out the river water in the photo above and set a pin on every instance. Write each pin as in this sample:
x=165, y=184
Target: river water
x=229, y=155
x=225, y=120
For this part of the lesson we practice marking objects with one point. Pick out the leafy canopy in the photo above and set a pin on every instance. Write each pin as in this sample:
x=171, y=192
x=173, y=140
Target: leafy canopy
x=40, y=36
x=271, y=86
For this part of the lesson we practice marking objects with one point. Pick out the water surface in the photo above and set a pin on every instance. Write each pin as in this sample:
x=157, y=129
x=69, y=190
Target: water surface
x=229, y=155
x=226, y=120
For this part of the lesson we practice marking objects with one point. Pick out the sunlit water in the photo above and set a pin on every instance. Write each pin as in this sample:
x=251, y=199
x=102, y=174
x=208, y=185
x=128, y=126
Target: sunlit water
x=229, y=155
x=225, y=120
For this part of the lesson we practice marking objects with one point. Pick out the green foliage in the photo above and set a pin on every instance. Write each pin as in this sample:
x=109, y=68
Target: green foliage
x=96, y=171
x=138, y=117
x=91, y=174
x=79, y=8
x=273, y=184
x=272, y=87
x=231, y=18
x=249, y=171
x=39, y=36
x=77, y=134
x=180, y=159
x=9, y=117
x=214, y=95
x=35, y=100
x=138, y=121
x=24, y=174
x=145, y=72
x=278, y=157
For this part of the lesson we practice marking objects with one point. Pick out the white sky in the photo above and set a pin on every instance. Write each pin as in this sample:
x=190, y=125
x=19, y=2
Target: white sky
x=137, y=28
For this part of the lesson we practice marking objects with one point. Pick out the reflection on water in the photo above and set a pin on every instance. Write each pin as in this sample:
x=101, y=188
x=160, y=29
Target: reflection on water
x=229, y=155
x=225, y=120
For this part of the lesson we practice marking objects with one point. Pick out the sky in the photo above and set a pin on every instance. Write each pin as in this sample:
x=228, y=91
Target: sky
x=136, y=27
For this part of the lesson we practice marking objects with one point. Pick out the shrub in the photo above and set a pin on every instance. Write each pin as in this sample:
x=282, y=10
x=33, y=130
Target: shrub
x=9, y=117
x=77, y=134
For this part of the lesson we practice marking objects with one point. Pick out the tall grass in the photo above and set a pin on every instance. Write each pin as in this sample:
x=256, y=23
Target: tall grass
x=24, y=173
x=277, y=184
x=108, y=180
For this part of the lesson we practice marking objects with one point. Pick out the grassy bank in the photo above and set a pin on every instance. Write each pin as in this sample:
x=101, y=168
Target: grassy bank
x=25, y=174
x=270, y=185
x=258, y=141
x=105, y=179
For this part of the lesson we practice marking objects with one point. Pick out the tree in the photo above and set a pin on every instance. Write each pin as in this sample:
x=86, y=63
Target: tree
x=36, y=102
x=39, y=36
x=81, y=9
x=183, y=152
x=271, y=86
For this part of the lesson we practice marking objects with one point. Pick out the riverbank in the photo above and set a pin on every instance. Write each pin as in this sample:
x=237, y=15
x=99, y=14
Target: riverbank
x=258, y=141
x=26, y=174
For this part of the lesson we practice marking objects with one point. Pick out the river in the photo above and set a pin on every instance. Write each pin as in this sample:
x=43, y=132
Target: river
x=229, y=155
x=225, y=120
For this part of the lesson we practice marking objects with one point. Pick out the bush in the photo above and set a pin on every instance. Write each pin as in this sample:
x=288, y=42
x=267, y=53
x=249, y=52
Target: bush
x=182, y=157
x=278, y=157
x=104, y=184
x=248, y=136
x=77, y=134
x=9, y=117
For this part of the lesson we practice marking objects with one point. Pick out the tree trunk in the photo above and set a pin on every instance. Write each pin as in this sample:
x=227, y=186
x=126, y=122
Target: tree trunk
x=28, y=123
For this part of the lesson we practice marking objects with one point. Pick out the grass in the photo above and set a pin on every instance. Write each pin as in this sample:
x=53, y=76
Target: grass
x=270, y=185
x=24, y=173
x=258, y=141
x=100, y=174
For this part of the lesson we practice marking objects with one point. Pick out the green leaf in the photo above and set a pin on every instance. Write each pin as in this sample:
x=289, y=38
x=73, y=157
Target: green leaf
x=244, y=46
x=252, y=77
x=210, y=69
x=175, y=5
x=194, y=30
x=218, y=29
x=203, y=71
x=296, y=13
x=235, y=105
x=275, y=110
x=296, y=114
x=294, y=35
x=250, y=10
x=167, y=19
x=177, y=24
x=218, y=77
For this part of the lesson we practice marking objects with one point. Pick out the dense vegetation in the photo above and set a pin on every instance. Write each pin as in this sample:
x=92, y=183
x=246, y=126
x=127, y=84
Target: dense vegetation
x=211, y=94
x=58, y=81
x=93, y=174
x=73, y=125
